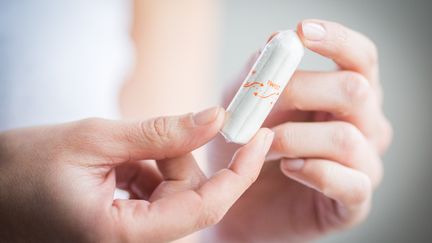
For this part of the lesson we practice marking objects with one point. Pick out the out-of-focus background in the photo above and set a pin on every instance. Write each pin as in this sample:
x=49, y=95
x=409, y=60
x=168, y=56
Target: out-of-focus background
x=66, y=60
x=402, y=207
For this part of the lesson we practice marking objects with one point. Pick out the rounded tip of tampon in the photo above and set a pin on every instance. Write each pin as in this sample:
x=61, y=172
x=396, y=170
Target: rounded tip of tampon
x=289, y=39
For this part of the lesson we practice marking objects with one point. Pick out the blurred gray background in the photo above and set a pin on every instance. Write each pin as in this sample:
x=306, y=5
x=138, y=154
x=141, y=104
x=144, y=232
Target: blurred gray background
x=401, y=29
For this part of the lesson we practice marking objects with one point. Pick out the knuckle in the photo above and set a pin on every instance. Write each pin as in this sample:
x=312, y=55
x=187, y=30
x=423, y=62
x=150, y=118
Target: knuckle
x=283, y=141
x=211, y=217
x=354, y=87
x=358, y=218
x=378, y=175
x=161, y=127
x=341, y=34
x=294, y=87
x=360, y=192
x=157, y=130
x=90, y=135
x=324, y=180
x=91, y=124
x=87, y=133
x=344, y=38
x=338, y=38
x=252, y=178
x=386, y=137
x=373, y=52
x=347, y=140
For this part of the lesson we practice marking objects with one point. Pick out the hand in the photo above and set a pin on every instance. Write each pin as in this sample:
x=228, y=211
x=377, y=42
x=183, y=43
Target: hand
x=57, y=182
x=325, y=159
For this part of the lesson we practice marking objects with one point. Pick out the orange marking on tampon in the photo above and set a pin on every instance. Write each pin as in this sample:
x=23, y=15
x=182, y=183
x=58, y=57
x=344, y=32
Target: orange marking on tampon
x=265, y=96
x=249, y=84
x=273, y=85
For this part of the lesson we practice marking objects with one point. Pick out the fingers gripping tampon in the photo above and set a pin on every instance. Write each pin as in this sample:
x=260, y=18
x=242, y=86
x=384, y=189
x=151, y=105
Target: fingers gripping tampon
x=262, y=87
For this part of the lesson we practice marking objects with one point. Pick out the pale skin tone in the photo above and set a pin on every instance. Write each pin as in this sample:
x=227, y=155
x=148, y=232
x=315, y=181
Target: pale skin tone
x=166, y=68
x=175, y=44
x=324, y=163
x=44, y=197
x=66, y=194
x=57, y=182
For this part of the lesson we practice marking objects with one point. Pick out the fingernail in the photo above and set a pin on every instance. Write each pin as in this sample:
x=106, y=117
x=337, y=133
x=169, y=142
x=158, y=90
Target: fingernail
x=292, y=164
x=206, y=116
x=268, y=140
x=313, y=31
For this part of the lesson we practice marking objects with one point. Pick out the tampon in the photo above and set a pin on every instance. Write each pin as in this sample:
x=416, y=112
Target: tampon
x=262, y=87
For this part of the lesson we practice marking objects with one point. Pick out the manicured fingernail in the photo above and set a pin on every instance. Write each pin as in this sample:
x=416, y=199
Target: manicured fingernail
x=268, y=140
x=292, y=164
x=206, y=116
x=313, y=31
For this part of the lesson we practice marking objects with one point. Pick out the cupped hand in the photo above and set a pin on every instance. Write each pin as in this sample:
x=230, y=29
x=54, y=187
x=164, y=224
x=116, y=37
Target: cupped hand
x=57, y=182
x=324, y=162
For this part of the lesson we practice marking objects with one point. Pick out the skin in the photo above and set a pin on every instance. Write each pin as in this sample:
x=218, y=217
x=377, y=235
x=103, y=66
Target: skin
x=324, y=163
x=37, y=190
x=66, y=194
x=175, y=46
x=57, y=182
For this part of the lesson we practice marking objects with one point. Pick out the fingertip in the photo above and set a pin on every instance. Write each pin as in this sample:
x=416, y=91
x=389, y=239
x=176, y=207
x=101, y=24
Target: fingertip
x=263, y=138
x=300, y=29
x=302, y=23
x=221, y=115
x=215, y=125
x=207, y=116
x=211, y=120
x=264, y=132
x=252, y=155
x=313, y=31
x=268, y=140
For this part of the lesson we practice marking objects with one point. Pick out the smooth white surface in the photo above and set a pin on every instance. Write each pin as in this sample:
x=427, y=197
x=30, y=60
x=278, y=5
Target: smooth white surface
x=262, y=87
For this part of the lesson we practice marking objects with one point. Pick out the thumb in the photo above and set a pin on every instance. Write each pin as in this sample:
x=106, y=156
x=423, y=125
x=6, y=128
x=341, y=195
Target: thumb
x=157, y=138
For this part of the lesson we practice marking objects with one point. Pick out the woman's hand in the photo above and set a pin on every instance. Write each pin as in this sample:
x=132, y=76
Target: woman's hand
x=57, y=182
x=325, y=161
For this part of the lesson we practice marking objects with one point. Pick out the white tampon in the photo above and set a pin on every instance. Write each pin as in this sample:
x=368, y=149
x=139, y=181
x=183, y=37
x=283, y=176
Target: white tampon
x=262, y=87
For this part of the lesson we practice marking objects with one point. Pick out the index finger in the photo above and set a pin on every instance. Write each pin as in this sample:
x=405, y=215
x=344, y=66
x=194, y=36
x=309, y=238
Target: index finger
x=158, y=138
x=347, y=48
x=182, y=213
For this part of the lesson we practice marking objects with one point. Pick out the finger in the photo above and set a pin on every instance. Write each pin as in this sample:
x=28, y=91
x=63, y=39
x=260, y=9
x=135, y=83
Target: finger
x=350, y=188
x=346, y=95
x=341, y=93
x=336, y=141
x=182, y=213
x=184, y=167
x=139, y=178
x=179, y=174
x=159, y=138
x=349, y=49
